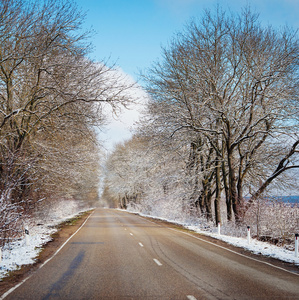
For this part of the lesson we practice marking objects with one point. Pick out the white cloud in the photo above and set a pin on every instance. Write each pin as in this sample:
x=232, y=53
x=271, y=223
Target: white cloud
x=119, y=126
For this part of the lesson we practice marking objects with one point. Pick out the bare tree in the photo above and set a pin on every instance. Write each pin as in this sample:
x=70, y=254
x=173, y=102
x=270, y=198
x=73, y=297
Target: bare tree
x=51, y=100
x=230, y=81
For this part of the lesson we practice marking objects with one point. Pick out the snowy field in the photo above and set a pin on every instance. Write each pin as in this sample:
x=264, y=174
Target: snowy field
x=24, y=251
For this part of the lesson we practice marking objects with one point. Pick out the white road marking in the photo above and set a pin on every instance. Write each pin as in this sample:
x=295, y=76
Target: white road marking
x=131, y=233
x=140, y=244
x=16, y=286
x=157, y=262
x=190, y=297
x=232, y=251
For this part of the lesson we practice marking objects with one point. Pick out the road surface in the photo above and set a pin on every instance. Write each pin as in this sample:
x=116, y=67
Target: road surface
x=117, y=255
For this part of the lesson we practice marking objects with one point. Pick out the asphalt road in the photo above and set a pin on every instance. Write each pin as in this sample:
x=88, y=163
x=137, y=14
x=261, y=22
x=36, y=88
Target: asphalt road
x=117, y=255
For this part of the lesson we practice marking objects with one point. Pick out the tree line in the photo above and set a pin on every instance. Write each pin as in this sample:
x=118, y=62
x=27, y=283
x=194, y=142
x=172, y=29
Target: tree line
x=221, y=124
x=51, y=102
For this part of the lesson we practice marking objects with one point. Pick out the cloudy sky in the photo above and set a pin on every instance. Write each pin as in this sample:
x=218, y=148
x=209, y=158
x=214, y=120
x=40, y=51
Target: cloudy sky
x=131, y=32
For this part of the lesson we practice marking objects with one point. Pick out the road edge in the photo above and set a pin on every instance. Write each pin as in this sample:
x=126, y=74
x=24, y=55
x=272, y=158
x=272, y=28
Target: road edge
x=275, y=262
x=40, y=264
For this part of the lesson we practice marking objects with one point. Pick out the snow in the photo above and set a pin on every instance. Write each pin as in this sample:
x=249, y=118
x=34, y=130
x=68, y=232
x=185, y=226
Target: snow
x=255, y=246
x=21, y=253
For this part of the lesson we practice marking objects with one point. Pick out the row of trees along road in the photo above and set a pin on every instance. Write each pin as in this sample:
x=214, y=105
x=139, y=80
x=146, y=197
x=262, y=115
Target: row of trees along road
x=222, y=117
x=51, y=100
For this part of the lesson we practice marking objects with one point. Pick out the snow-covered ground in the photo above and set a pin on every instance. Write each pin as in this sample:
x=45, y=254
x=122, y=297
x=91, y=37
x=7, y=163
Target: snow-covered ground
x=24, y=252
x=20, y=252
x=254, y=245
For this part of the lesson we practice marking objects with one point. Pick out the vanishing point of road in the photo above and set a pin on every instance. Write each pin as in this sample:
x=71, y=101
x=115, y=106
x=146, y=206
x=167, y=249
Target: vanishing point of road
x=117, y=255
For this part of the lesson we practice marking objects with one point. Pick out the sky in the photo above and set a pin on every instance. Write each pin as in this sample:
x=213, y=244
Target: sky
x=130, y=33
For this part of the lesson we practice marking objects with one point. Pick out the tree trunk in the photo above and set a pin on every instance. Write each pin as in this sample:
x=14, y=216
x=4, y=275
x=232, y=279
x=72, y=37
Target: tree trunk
x=208, y=205
x=218, y=192
x=233, y=195
x=227, y=197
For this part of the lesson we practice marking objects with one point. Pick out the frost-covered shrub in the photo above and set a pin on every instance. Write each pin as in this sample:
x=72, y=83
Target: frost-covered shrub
x=11, y=222
x=55, y=210
x=274, y=220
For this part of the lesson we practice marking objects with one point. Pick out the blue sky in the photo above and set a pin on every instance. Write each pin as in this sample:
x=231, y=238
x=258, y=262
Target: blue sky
x=131, y=32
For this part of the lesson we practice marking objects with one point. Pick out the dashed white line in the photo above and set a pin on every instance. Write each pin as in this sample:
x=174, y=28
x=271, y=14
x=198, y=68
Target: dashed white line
x=157, y=262
x=140, y=244
x=257, y=260
x=190, y=297
x=232, y=251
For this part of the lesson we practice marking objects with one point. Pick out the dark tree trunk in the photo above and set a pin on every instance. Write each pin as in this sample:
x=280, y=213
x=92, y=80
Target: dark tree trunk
x=218, y=192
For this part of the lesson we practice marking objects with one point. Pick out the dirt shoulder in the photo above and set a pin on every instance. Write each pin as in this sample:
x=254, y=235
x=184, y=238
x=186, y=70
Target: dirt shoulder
x=65, y=230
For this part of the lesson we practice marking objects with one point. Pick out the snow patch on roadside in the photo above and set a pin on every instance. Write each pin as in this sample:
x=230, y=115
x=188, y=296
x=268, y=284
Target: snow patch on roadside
x=255, y=246
x=18, y=253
